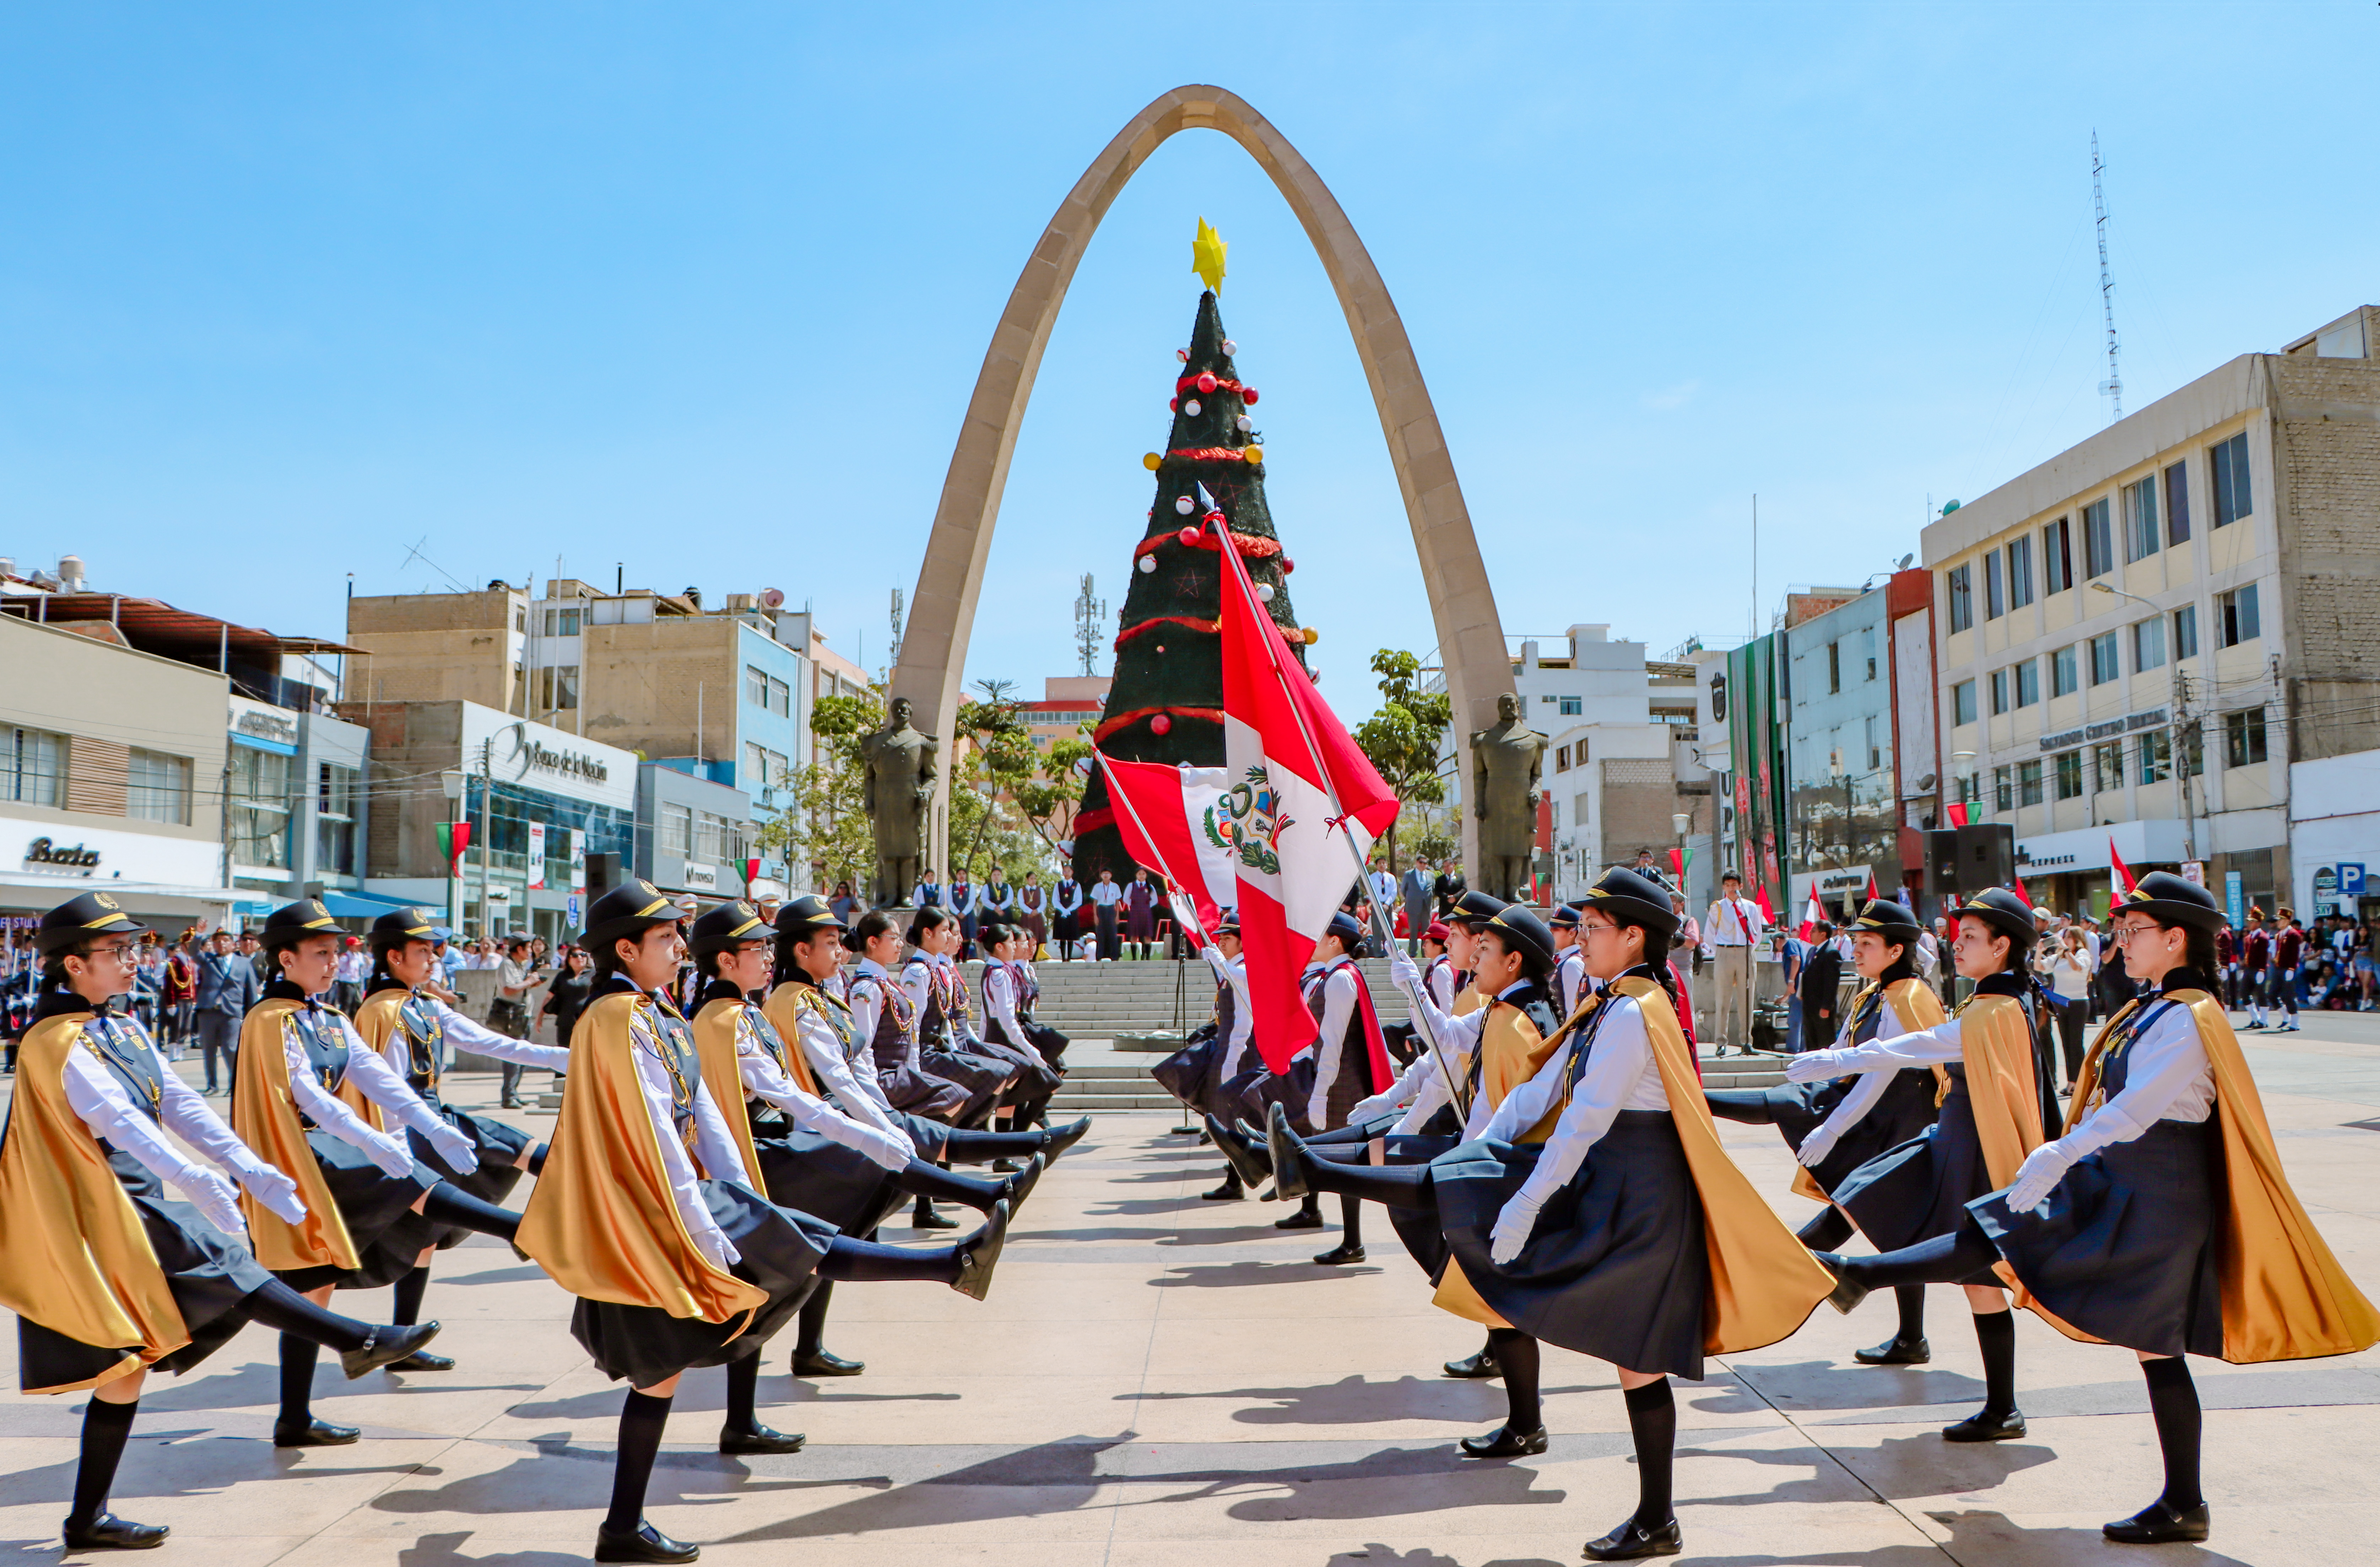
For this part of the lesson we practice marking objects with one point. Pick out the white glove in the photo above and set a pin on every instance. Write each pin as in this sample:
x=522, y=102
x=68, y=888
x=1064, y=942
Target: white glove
x=1814, y=1066
x=1378, y=1105
x=889, y=1150
x=213, y=1197
x=2038, y=1177
x=274, y=1189
x=1514, y=1226
x=461, y=1154
x=1317, y=1108
x=391, y=1154
x=1402, y=974
x=1816, y=1146
x=728, y=1256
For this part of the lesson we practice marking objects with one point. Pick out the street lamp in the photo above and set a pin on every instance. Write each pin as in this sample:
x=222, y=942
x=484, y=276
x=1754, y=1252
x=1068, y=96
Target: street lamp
x=1681, y=821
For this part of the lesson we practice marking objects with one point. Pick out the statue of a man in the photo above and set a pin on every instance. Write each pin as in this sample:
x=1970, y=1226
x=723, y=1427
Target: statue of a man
x=1505, y=765
x=900, y=770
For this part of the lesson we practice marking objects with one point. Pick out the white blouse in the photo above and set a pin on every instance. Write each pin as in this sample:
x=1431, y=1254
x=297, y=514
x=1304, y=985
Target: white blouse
x=1620, y=1073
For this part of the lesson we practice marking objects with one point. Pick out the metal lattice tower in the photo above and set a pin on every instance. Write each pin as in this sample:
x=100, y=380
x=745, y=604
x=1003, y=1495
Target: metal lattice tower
x=1090, y=620
x=2113, y=387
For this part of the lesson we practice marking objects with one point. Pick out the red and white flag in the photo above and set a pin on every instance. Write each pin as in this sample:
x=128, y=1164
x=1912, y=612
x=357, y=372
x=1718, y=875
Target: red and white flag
x=1289, y=757
x=1167, y=815
x=2122, y=871
x=1810, y=917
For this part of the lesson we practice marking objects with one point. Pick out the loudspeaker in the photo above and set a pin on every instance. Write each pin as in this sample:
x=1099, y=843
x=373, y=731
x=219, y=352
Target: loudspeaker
x=1940, y=848
x=1986, y=856
x=602, y=875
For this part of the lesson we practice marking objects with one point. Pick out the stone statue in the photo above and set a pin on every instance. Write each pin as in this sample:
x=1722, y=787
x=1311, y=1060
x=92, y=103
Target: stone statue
x=899, y=785
x=1505, y=765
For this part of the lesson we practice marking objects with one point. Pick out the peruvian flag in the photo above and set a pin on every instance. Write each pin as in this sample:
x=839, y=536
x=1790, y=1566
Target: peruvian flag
x=1958, y=813
x=1301, y=793
x=2123, y=870
x=1810, y=917
x=1167, y=816
x=2022, y=896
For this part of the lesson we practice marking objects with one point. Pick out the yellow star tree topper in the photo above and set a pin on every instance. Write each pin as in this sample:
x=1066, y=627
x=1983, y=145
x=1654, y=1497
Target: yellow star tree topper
x=1206, y=255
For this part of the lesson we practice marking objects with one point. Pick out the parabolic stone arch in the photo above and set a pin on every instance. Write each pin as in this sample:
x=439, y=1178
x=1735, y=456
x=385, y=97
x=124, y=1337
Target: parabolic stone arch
x=941, y=611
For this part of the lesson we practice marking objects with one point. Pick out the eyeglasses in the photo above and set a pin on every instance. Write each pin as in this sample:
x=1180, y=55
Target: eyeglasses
x=2126, y=932
x=122, y=952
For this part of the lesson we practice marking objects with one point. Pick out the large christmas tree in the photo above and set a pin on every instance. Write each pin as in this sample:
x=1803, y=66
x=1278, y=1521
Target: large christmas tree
x=1167, y=701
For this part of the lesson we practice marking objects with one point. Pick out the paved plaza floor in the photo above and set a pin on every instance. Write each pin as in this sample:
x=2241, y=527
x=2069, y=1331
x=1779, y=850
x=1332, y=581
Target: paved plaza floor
x=1164, y=1382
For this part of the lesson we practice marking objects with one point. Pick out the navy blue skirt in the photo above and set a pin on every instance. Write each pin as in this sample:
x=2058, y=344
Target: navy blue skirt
x=497, y=1148
x=377, y=1209
x=1905, y=1111
x=2124, y=1247
x=825, y=1180
x=1616, y=1268
x=1192, y=1073
x=1920, y=1188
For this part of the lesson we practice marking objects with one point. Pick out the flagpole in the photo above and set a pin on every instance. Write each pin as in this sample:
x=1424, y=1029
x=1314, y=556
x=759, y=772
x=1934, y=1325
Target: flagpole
x=1419, y=1011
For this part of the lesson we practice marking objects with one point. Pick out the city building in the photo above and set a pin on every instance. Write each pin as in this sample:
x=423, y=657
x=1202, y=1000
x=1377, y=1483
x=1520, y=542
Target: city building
x=2140, y=637
x=1068, y=702
x=693, y=833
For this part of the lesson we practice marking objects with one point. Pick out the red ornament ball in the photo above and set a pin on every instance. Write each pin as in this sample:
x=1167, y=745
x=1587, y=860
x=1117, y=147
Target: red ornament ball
x=1172, y=405
x=1248, y=395
x=1287, y=565
x=1206, y=380
x=1187, y=538
x=1161, y=725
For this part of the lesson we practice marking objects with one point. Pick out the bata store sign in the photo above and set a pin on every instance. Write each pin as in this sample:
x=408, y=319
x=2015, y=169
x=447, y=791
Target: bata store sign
x=539, y=756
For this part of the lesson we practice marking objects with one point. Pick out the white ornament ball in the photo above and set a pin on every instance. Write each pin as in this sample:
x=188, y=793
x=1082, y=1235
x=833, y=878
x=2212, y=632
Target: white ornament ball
x=1244, y=423
x=1149, y=563
x=1230, y=347
x=1191, y=408
x=1182, y=354
x=1184, y=504
x=1264, y=593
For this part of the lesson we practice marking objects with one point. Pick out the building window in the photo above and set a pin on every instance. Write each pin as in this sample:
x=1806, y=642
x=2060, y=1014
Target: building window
x=2099, y=540
x=2141, y=532
x=2107, y=763
x=1561, y=758
x=2069, y=775
x=2148, y=645
x=677, y=829
x=2177, y=504
x=2106, y=662
x=1962, y=702
x=2235, y=616
x=2057, y=556
x=2244, y=737
x=2028, y=683
x=2185, y=632
x=1959, y=585
x=2003, y=789
x=1835, y=649
x=259, y=808
x=2156, y=756
x=1995, y=605
x=2228, y=467
x=335, y=818
x=562, y=623
x=2063, y=681
x=1875, y=751
x=756, y=686
x=1999, y=692
x=557, y=688
x=2019, y=574
x=2028, y=782
x=157, y=787
x=35, y=767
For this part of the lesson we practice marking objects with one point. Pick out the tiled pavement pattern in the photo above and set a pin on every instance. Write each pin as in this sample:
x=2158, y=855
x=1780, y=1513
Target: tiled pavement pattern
x=1159, y=1381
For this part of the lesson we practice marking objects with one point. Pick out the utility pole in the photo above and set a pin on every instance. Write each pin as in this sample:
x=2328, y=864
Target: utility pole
x=2182, y=726
x=1090, y=619
x=487, y=822
x=2113, y=387
x=892, y=659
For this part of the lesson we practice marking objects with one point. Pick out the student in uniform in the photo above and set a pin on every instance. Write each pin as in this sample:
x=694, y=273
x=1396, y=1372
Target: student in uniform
x=1349, y=1063
x=644, y=1211
x=1995, y=1050
x=1837, y=1126
x=2160, y=1219
x=1607, y=1238
x=110, y=1273
x=1065, y=910
x=1570, y=965
x=403, y=1018
x=938, y=998
x=1004, y=1037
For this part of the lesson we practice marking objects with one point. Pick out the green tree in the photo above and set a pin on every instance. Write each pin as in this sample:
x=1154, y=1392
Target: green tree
x=826, y=828
x=1401, y=739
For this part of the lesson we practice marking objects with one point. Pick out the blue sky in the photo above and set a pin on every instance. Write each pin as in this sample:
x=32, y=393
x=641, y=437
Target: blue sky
x=703, y=289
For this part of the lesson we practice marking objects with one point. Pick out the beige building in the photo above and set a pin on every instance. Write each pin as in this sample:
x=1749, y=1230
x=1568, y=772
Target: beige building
x=2136, y=638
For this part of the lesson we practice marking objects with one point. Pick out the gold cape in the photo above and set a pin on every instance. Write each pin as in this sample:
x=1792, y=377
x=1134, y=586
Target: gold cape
x=1997, y=1050
x=600, y=1219
x=1914, y=1006
x=782, y=1008
x=2285, y=1297
x=714, y=1043
x=375, y=1020
x=1511, y=1051
x=77, y=1258
x=266, y=1116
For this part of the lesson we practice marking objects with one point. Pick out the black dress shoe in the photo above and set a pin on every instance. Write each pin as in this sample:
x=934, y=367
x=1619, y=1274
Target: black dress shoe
x=1504, y=1442
x=1058, y=1139
x=759, y=1438
x=823, y=1364
x=927, y=1218
x=1253, y=1141
x=1475, y=1367
x=314, y=1433
x=1229, y=1191
x=1244, y=1164
x=1286, y=1151
x=1847, y=1292
x=1003, y=1167
x=1632, y=1540
x=644, y=1543
x=386, y=1346
x=1020, y=1186
x=107, y=1532
x=1204, y=1140
x=1984, y=1425
x=2157, y=1523
x=980, y=1254
x=1301, y=1220
x=1339, y=1254
x=1895, y=1351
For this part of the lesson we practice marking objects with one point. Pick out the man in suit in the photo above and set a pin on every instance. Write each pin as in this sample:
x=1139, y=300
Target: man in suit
x=227, y=988
x=1822, y=979
x=1450, y=889
x=1415, y=889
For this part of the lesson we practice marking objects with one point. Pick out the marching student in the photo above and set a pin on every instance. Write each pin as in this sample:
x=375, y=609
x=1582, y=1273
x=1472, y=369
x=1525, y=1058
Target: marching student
x=1835, y=1126
x=1570, y=965
x=644, y=1212
x=1995, y=1049
x=109, y=1273
x=409, y=1023
x=1608, y=1238
x=1348, y=1062
x=1005, y=1036
x=308, y=1092
x=1228, y=1055
x=937, y=999
x=2160, y=1219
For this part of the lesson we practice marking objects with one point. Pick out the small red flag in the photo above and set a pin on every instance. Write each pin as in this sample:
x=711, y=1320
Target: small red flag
x=2123, y=870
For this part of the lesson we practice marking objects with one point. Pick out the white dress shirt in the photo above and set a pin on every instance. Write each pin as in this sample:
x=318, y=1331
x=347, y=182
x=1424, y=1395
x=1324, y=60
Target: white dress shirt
x=1338, y=981
x=1234, y=973
x=854, y=1089
x=714, y=1144
x=1734, y=922
x=1457, y=1038
x=1570, y=980
x=867, y=1006
x=1620, y=1073
x=463, y=1033
x=98, y=1097
x=766, y=1081
x=1000, y=1004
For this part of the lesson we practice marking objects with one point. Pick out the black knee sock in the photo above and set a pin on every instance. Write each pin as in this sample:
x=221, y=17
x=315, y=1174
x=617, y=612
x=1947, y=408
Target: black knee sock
x=810, y=1335
x=409, y=1290
x=847, y=1258
x=449, y=1204
x=1749, y=1106
x=298, y=1356
x=1910, y=1298
x=537, y=1158
x=1996, y=1336
x=1391, y=1185
x=1828, y=1231
x=966, y=1147
x=1232, y=1178
x=1653, y=1421
x=1517, y=1358
x=105, y=1428
x=1351, y=1220
x=1945, y=1259
x=642, y=1418
x=2173, y=1399
x=1311, y=1207
x=928, y=1182
x=743, y=1392
x=284, y=1310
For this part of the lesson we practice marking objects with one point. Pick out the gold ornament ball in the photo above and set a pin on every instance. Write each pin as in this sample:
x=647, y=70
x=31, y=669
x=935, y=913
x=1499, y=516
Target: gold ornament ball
x=1256, y=454
x=1150, y=460
x=1312, y=635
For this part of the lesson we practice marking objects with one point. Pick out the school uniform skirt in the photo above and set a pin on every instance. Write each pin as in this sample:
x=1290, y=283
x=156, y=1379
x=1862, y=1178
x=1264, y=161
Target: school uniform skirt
x=839, y=1186
x=210, y=1275
x=2124, y=1249
x=979, y=1078
x=497, y=1147
x=1905, y=1111
x=781, y=1248
x=1194, y=1074
x=1918, y=1189
x=1616, y=1268
x=377, y=1209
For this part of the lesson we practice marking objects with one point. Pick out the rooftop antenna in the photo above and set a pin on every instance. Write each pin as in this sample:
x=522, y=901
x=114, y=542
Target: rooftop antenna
x=892, y=659
x=2113, y=387
x=1090, y=617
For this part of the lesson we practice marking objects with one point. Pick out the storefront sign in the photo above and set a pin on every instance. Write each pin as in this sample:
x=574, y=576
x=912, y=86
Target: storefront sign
x=700, y=878
x=71, y=857
x=578, y=866
x=537, y=857
x=2105, y=728
x=257, y=721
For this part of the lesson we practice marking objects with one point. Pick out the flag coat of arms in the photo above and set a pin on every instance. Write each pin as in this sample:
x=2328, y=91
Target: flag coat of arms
x=1184, y=822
